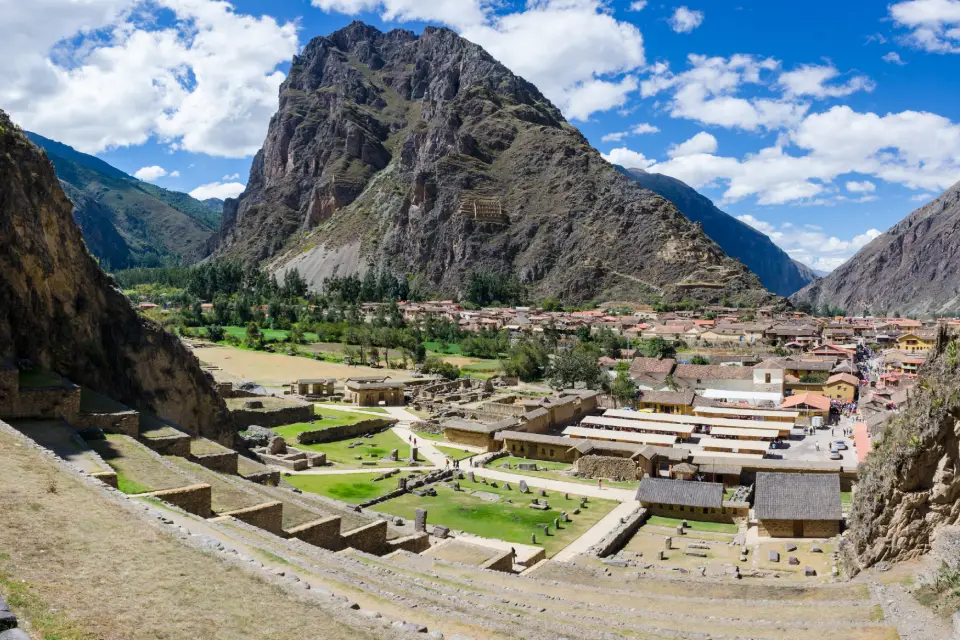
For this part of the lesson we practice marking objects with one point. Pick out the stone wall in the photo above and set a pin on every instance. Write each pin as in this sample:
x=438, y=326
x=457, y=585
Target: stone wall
x=271, y=478
x=606, y=467
x=371, y=538
x=108, y=478
x=542, y=451
x=724, y=514
x=195, y=499
x=47, y=403
x=267, y=516
x=169, y=445
x=428, y=426
x=472, y=438
x=415, y=543
x=343, y=432
x=501, y=562
x=225, y=462
x=615, y=540
x=271, y=417
x=123, y=422
x=811, y=528
x=321, y=533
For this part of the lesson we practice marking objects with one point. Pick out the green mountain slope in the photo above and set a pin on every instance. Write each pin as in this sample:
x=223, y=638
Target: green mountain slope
x=126, y=222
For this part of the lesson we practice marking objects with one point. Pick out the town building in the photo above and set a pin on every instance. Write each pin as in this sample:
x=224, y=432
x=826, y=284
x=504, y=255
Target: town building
x=790, y=505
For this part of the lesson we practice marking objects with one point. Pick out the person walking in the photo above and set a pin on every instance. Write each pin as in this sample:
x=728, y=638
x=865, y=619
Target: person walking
x=600, y=484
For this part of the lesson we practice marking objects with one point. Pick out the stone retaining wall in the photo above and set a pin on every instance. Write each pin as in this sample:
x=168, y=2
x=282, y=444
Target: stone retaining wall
x=621, y=469
x=243, y=418
x=323, y=533
x=500, y=562
x=169, y=445
x=415, y=543
x=126, y=423
x=46, y=403
x=270, y=477
x=225, y=462
x=345, y=431
x=108, y=478
x=811, y=528
x=371, y=538
x=196, y=499
x=267, y=516
x=616, y=539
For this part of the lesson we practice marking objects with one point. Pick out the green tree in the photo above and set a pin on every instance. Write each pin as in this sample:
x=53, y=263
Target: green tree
x=575, y=365
x=215, y=332
x=699, y=359
x=297, y=334
x=254, y=337
x=623, y=389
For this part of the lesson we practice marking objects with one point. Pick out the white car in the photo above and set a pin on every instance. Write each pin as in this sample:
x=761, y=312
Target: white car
x=835, y=455
x=840, y=445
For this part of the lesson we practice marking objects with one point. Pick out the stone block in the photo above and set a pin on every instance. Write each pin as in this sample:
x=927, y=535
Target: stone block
x=413, y=454
x=14, y=634
x=791, y=547
x=506, y=486
x=793, y=560
x=420, y=520
x=774, y=556
x=439, y=531
x=523, y=487
x=543, y=493
x=816, y=549
x=668, y=543
x=527, y=466
x=395, y=454
x=7, y=620
x=810, y=572
x=471, y=476
x=661, y=555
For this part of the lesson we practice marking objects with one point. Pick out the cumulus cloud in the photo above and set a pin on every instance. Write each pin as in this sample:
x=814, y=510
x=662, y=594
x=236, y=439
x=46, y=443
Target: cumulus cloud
x=809, y=244
x=638, y=5
x=861, y=187
x=149, y=174
x=232, y=176
x=703, y=142
x=636, y=130
x=220, y=190
x=894, y=58
x=107, y=73
x=934, y=25
x=812, y=80
x=684, y=20
x=592, y=54
x=627, y=158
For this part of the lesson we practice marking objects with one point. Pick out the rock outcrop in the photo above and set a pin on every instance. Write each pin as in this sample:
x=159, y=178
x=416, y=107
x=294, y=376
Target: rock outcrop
x=912, y=269
x=59, y=310
x=423, y=155
x=776, y=270
x=909, y=487
x=127, y=222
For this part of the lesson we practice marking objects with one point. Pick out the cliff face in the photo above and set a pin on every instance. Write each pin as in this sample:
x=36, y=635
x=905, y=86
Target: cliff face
x=909, y=487
x=424, y=155
x=914, y=268
x=127, y=222
x=58, y=309
x=776, y=270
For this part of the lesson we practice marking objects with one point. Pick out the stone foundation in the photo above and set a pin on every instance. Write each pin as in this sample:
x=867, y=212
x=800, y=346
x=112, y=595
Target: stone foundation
x=415, y=543
x=321, y=533
x=621, y=469
x=371, y=538
x=343, y=432
x=267, y=516
x=501, y=562
x=125, y=423
x=169, y=446
x=225, y=462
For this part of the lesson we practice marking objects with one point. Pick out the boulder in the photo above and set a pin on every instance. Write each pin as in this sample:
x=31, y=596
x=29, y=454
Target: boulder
x=810, y=572
x=440, y=531
x=774, y=556
x=791, y=547
x=277, y=446
x=793, y=560
x=14, y=634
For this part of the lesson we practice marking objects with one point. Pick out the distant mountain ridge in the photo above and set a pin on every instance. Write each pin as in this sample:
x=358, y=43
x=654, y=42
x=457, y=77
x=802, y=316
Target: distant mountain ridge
x=912, y=269
x=127, y=222
x=777, y=271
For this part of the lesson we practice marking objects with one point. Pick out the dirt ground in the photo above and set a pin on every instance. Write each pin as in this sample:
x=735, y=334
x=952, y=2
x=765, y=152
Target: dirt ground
x=63, y=546
x=274, y=369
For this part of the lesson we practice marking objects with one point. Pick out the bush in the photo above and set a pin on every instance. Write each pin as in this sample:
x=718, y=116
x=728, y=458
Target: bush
x=215, y=332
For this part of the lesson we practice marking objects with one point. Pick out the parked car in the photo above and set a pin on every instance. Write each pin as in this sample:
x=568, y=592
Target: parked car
x=835, y=455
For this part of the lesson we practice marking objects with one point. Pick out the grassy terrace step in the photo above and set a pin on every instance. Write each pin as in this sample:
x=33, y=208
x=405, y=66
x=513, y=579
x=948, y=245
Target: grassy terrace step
x=60, y=438
x=348, y=519
x=575, y=598
x=202, y=447
x=153, y=427
x=139, y=470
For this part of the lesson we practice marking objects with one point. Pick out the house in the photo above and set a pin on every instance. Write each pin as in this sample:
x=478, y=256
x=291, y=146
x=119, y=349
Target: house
x=651, y=373
x=319, y=387
x=671, y=332
x=841, y=387
x=801, y=333
x=914, y=342
x=679, y=402
x=808, y=404
x=768, y=376
x=708, y=376
x=798, y=505
x=372, y=392
x=724, y=334
x=683, y=499
x=477, y=434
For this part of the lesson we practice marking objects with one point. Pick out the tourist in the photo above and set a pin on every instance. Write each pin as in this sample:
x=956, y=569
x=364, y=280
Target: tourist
x=600, y=483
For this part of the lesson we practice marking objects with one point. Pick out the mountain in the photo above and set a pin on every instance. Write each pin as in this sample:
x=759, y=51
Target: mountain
x=127, y=222
x=912, y=269
x=61, y=311
x=423, y=155
x=809, y=273
x=776, y=270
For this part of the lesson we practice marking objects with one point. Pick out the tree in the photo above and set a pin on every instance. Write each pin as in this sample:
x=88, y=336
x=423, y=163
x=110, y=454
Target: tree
x=573, y=366
x=527, y=360
x=294, y=285
x=623, y=389
x=215, y=332
x=698, y=359
x=297, y=334
x=254, y=337
x=657, y=348
x=434, y=365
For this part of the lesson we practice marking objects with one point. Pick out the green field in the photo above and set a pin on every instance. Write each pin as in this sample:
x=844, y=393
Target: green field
x=339, y=452
x=551, y=470
x=279, y=335
x=439, y=437
x=455, y=454
x=502, y=520
x=453, y=348
x=352, y=488
x=695, y=525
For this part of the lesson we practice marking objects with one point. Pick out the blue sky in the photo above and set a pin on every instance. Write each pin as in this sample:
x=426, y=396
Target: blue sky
x=819, y=123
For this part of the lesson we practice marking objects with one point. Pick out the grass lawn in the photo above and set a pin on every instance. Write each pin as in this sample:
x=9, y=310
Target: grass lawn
x=502, y=520
x=438, y=437
x=695, y=525
x=455, y=454
x=268, y=334
x=846, y=497
x=552, y=470
x=352, y=488
x=453, y=348
x=325, y=420
x=340, y=453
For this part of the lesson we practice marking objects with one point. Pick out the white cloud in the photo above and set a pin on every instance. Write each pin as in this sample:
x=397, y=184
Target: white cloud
x=232, y=176
x=149, y=174
x=703, y=142
x=894, y=58
x=627, y=158
x=174, y=174
x=811, y=80
x=106, y=73
x=934, y=24
x=923, y=197
x=707, y=92
x=861, y=187
x=637, y=5
x=591, y=54
x=810, y=245
x=636, y=130
x=221, y=190
x=684, y=20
